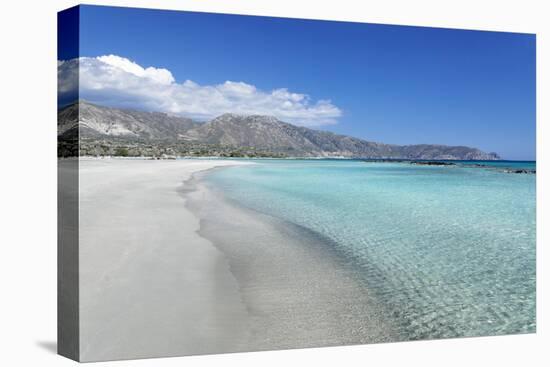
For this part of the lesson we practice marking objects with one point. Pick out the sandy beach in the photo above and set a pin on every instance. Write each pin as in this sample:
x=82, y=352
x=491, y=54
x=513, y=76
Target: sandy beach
x=168, y=267
x=149, y=284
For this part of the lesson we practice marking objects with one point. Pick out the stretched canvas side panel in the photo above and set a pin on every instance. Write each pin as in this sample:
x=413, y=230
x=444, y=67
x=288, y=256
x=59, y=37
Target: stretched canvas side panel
x=68, y=343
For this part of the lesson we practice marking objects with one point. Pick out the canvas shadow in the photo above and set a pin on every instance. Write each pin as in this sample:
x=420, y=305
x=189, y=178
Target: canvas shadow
x=48, y=345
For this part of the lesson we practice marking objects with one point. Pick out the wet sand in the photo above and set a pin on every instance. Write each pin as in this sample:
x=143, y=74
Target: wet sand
x=299, y=291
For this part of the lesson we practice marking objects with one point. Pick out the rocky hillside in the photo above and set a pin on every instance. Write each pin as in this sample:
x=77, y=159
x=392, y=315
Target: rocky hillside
x=254, y=132
x=99, y=121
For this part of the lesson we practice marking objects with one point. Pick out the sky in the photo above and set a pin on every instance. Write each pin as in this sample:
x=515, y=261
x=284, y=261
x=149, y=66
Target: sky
x=391, y=84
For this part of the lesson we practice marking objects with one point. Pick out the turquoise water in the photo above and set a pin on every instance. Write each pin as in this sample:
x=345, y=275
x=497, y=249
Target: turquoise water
x=449, y=251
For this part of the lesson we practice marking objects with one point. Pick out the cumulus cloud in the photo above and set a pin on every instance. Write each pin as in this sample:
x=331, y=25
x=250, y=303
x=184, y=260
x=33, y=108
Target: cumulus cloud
x=116, y=81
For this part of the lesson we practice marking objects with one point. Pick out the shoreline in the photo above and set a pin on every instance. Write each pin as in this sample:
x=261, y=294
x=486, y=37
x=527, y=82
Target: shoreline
x=299, y=290
x=160, y=252
x=424, y=294
x=164, y=249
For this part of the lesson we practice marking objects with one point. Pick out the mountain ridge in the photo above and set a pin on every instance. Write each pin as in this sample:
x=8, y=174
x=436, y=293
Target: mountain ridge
x=242, y=133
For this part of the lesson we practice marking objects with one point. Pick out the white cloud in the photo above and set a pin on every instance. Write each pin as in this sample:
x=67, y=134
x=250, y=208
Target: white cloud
x=117, y=81
x=160, y=76
x=67, y=77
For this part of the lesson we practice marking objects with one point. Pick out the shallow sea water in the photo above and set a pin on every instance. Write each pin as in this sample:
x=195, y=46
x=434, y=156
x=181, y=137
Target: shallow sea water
x=449, y=251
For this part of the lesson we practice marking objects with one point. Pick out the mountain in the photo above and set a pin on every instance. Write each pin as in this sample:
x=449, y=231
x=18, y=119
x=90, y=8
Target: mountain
x=99, y=121
x=243, y=133
x=269, y=133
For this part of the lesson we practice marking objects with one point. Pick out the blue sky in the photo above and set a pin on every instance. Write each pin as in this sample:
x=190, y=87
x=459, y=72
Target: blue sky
x=393, y=84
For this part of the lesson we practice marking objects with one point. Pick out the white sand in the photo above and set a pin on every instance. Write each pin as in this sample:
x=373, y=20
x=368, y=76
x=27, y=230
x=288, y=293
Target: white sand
x=149, y=284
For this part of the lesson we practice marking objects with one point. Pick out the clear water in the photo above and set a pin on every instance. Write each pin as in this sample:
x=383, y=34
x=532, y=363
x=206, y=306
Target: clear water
x=448, y=251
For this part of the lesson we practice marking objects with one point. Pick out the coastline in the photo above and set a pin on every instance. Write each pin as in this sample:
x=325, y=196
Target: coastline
x=415, y=256
x=161, y=252
x=163, y=249
x=299, y=292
